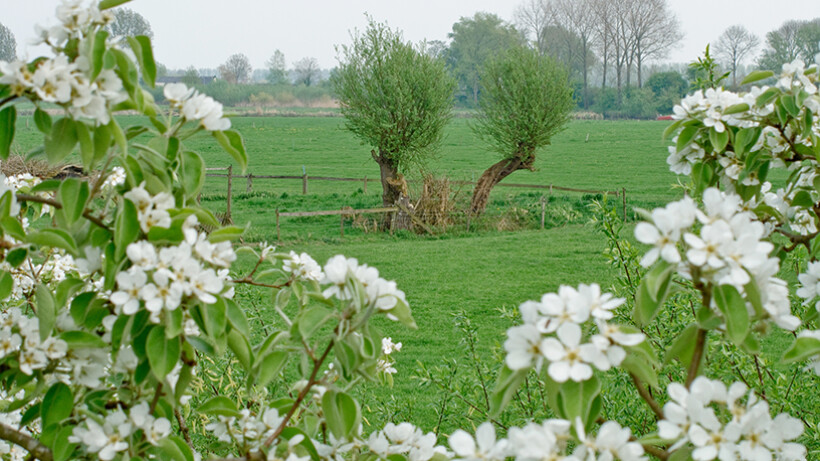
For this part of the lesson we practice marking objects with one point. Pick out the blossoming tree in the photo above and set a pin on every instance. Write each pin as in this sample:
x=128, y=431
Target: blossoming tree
x=112, y=294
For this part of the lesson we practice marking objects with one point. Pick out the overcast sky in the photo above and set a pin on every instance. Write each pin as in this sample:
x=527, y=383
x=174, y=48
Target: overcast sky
x=203, y=33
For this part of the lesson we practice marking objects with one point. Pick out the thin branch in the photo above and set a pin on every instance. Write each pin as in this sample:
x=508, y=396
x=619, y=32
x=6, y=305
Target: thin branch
x=86, y=214
x=302, y=394
x=183, y=427
x=249, y=281
x=653, y=404
x=157, y=395
x=29, y=443
x=3, y=102
x=697, y=356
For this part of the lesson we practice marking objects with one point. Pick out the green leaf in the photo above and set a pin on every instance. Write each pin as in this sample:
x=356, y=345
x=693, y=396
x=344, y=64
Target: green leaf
x=733, y=308
x=767, y=96
x=6, y=285
x=141, y=46
x=16, y=256
x=241, y=349
x=57, y=404
x=73, y=195
x=269, y=366
x=174, y=448
x=108, y=4
x=683, y=348
x=54, y=238
x=639, y=367
x=225, y=234
x=576, y=400
x=46, y=311
x=193, y=173
x=802, y=348
x=671, y=129
x=718, y=139
x=61, y=448
x=237, y=319
x=736, y=109
x=82, y=340
x=163, y=353
x=685, y=137
x=86, y=145
x=98, y=52
x=11, y=226
x=232, y=143
x=8, y=118
x=42, y=120
x=219, y=406
x=506, y=386
x=126, y=227
x=311, y=319
x=756, y=76
x=61, y=141
x=652, y=292
x=342, y=414
x=102, y=142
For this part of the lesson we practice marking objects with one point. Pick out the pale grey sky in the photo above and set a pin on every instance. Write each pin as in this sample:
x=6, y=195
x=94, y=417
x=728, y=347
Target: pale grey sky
x=203, y=33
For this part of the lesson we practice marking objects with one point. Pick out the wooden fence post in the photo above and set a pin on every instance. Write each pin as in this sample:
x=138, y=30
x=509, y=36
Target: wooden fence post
x=278, y=237
x=543, y=211
x=304, y=181
x=364, y=189
x=623, y=197
x=230, y=189
x=250, y=183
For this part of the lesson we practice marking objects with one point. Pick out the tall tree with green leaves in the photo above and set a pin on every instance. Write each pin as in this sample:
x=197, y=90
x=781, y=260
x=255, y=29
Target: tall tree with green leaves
x=396, y=98
x=473, y=42
x=525, y=100
x=794, y=39
x=8, y=45
x=277, y=74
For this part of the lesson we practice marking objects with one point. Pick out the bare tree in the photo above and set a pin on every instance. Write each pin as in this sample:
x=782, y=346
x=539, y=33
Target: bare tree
x=577, y=16
x=129, y=23
x=531, y=17
x=8, y=45
x=307, y=70
x=237, y=69
x=653, y=28
x=734, y=44
x=604, y=25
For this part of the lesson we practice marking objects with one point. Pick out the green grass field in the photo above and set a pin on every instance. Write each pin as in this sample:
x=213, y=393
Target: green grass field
x=480, y=272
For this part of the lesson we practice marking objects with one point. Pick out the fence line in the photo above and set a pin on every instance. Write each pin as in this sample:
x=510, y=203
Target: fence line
x=305, y=178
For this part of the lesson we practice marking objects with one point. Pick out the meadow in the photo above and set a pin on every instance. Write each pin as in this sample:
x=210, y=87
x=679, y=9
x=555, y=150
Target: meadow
x=462, y=286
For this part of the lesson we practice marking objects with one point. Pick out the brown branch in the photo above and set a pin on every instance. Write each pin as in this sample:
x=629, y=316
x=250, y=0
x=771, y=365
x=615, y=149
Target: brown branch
x=302, y=394
x=183, y=427
x=29, y=443
x=659, y=453
x=157, y=395
x=653, y=404
x=697, y=356
x=249, y=281
x=86, y=214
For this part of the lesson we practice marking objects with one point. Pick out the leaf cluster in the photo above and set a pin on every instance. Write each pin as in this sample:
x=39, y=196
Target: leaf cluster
x=394, y=96
x=525, y=100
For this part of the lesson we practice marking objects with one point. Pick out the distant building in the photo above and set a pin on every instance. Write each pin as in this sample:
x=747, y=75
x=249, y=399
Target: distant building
x=161, y=81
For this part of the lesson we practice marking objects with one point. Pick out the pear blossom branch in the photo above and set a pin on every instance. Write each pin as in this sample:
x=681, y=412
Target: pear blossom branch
x=249, y=281
x=697, y=356
x=644, y=393
x=183, y=427
x=86, y=213
x=36, y=449
x=317, y=363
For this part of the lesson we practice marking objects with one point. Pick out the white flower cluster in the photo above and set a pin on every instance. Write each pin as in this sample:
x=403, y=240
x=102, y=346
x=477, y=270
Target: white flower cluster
x=161, y=279
x=10, y=451
x=302, y=267
x=110, y=437
x=386, y=364
x=552, y=330
x=340, y=273
x=196, y=106
x=20, y=338
x=708, y=107
x=546, y=441
x=59, y=81
x=736, y=431
x=151, y=210
x=76, y=17
x=249, y=429
x=727, y=248
x=405, y=439
x=116, y=178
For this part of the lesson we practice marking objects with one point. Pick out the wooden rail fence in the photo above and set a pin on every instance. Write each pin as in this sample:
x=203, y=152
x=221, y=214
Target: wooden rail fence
x=305, y=179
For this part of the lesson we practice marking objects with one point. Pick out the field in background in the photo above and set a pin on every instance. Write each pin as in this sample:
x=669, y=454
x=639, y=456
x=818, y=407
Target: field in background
x=479, y=272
